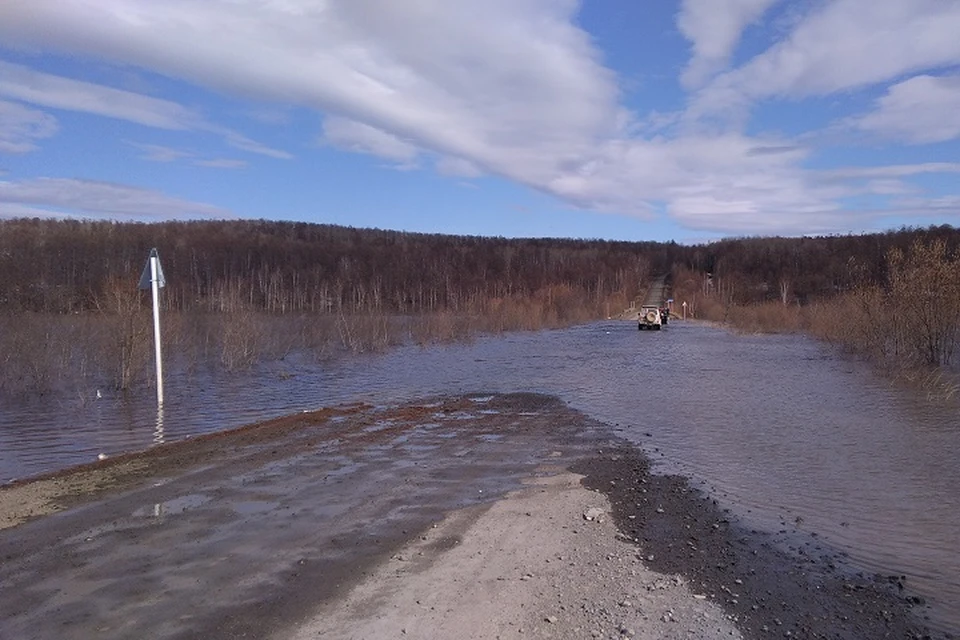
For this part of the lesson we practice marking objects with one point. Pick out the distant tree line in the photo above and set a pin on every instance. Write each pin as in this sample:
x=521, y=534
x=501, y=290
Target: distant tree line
x=802, y=270
x=240, y=292
x=72, y=266
x=893, y=297
x=63, y=266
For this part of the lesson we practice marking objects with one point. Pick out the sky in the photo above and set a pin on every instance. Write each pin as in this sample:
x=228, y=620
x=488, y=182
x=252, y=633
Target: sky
x=684, y=120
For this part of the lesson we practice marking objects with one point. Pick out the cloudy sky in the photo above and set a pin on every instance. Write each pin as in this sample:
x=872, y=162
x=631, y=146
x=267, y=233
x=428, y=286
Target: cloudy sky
x=620, y=119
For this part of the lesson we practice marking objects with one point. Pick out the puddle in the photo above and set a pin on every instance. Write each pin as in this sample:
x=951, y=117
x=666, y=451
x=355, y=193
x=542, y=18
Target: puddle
x=456, y=415
x=421, y=447
x=379, y=425
x=253, y=507
x=345, y=470
x=172, y=507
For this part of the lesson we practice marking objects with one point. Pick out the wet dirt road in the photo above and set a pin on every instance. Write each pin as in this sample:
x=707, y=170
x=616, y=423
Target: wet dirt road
x=236, y=535
x=245, y=534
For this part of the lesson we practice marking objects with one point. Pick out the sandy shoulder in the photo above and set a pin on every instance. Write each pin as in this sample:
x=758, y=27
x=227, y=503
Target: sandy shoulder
x=529, y=566
x=23, y=502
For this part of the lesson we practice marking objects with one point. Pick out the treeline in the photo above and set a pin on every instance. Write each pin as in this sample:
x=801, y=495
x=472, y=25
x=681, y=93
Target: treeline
x=746, y=271
x=892, y=297
x=73, y=266
x=242, y=292
x=279, y=267
x=911, y=319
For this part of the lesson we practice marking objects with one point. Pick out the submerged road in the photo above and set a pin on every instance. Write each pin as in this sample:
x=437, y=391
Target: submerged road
x=248, y=533
x=656, y=295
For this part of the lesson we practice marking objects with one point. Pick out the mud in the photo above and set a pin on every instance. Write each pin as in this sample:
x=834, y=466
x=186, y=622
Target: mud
x=251, y=532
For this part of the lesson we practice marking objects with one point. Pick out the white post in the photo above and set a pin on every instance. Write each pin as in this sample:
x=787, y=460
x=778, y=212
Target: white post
x=155, y=286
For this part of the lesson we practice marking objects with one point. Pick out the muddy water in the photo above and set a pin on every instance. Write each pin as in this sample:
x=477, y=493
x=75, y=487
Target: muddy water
x=786, y=433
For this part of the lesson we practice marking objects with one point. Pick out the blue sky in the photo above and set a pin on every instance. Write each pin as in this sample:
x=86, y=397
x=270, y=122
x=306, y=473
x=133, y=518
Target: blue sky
x=617, y=119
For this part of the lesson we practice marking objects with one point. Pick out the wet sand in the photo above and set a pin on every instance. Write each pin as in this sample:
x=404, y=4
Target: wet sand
x=472, y=517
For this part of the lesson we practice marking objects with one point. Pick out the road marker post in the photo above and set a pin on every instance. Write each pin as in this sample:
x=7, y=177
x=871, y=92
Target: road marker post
x=152, y=278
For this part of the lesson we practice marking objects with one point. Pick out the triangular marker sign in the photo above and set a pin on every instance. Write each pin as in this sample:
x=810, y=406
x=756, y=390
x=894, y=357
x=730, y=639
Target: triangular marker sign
x=145, y=280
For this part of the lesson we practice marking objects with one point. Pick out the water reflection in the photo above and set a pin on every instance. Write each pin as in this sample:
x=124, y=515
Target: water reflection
x=777, y=426
x=173, y=506
x=158, y=435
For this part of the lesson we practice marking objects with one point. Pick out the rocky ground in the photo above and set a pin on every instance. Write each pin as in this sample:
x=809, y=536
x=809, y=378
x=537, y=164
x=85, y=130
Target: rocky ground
x=769, y=584
x=546, y=562
x=477, y=517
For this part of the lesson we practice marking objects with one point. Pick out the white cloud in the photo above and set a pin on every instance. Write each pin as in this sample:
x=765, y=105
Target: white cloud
x=27, y=85
x=512, y=88
x=221, y=163
x=943, y=204
x=10, y=210
x=842, y=45
x=890, y=171
x=21, y=127
x=160, y=153
x=60, y=196
x=269, y=115
x=362, y=138
x=920, y=110
x=714, y=27
x=35, y=87
x=711, y=183
x=458, y=167
x=238, y=141
x=889, y=187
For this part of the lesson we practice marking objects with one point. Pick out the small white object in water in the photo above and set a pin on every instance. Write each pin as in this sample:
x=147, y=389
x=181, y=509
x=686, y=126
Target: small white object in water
x=99, y=395
x=102, y=456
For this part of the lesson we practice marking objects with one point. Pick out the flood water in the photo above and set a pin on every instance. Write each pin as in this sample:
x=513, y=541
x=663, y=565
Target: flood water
x=779, y=428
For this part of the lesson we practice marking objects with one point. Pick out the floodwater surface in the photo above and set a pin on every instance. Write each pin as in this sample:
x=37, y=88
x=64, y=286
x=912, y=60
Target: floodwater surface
x=782, y=430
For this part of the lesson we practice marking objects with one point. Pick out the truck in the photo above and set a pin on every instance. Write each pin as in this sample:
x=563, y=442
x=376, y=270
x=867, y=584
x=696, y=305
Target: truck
x=650, y=318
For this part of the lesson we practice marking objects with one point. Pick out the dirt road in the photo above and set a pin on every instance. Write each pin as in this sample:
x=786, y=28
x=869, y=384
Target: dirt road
x=473, y=517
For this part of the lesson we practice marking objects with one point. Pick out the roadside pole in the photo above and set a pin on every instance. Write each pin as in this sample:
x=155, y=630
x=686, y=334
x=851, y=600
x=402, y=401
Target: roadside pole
x=152, y=278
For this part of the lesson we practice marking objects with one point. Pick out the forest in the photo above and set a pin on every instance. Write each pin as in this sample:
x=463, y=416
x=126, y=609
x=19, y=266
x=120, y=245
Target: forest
x=240, y=291
x=893, y=298
x=281, y=267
